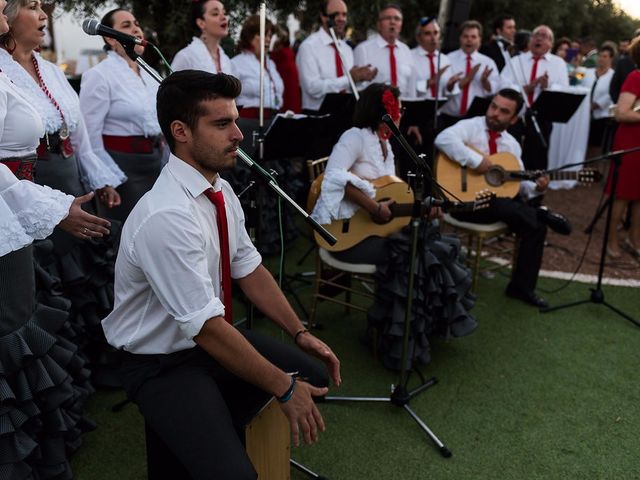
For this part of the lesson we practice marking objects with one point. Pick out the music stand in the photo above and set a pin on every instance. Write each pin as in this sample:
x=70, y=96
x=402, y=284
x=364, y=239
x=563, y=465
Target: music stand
x=556, y=106
x=478, y=107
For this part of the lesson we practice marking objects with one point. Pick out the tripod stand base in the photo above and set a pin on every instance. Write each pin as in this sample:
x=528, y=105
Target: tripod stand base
x=597, y=296
x=400, y=398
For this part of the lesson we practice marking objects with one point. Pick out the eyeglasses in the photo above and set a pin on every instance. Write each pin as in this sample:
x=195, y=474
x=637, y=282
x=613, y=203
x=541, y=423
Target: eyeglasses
x=391, y=18
x=427, y=20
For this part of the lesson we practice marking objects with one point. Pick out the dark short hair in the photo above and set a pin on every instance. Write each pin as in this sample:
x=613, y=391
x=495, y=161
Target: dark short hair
x=370, y=109
x=498, y=22
x=514, y=95
x=561, y=41
x=181, y=94
x=107, y=20
x=251, y=28
x=387, y=6
x=609, y=47
x=469, y=24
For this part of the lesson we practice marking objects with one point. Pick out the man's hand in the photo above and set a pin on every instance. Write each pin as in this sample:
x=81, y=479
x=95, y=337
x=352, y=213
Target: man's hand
x=82, y=224
x=486, y=84
x=542, y=183
x=108, y=196
x=485, y=165
x=543, y=81
x=433, y=81
x=415, y=131
x=469, y=76
x=303, y=413
x=363, y=74
x=452, y=81
x=317, y=348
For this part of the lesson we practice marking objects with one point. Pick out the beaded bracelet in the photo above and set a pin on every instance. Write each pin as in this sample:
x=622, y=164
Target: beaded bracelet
x=286, y=396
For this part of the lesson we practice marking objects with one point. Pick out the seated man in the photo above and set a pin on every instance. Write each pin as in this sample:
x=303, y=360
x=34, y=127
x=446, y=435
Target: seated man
x=197, y=379
x=470, y=142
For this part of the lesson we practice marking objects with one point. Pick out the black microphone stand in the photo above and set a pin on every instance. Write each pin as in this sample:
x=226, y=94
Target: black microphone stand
x=597, y=295
x=400, y=395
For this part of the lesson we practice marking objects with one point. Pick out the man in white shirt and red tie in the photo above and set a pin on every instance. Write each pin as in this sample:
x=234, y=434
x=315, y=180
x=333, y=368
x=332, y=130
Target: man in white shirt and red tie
x=471, y=142
x=387, y=53
x=535, y=71
x=475, y=73
x=430, y=78
x=196, y=378
x=321, y=67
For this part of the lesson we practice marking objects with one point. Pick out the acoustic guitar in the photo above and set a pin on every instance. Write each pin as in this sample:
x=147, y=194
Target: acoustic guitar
x=350, y=232
x=503, y=178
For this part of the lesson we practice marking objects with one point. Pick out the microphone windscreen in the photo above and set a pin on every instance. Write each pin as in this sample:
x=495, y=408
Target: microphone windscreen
x=90, y=26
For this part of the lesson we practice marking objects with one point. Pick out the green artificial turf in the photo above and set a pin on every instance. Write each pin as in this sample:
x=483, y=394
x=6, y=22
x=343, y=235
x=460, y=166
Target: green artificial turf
x=526, y=396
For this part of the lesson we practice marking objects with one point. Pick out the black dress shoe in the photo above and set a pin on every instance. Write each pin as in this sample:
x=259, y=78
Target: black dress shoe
x=528, y=297
x=555, y=221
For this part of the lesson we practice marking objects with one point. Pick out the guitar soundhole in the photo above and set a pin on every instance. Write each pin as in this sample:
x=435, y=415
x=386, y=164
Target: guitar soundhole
x=495, y=176
x=345, y=226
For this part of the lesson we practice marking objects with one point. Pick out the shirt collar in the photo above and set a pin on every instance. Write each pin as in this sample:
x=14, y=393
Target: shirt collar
x=424, y=53
x=191, y=179
x=545, y=56
x=381, y=42
x=325, y=37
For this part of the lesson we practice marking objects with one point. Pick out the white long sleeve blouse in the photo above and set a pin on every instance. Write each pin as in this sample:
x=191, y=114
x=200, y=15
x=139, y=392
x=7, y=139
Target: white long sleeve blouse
x=247, y=68
x=94, y=173
x=196, y=56
x=116, y=101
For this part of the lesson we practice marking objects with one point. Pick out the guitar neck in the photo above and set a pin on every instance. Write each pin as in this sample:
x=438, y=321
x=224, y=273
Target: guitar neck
x=518, y=176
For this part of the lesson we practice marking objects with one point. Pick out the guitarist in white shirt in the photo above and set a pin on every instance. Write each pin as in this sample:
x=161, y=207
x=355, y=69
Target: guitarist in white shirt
x=470, y=142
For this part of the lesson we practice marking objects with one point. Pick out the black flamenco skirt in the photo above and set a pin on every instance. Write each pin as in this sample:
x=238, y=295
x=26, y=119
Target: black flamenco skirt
x=43, y=380
x=441, y=300
x=85, y=272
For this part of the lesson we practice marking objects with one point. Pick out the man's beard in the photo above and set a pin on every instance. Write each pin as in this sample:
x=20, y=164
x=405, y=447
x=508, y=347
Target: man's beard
x=214, y=160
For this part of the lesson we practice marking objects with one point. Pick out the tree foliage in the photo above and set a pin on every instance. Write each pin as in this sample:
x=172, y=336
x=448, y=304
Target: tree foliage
x=599, y=19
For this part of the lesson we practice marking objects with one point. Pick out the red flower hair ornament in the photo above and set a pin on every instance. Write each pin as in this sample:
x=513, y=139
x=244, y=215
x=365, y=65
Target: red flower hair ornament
x=392, y=106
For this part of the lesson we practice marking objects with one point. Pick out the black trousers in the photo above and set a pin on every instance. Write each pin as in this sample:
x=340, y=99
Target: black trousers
x=195, y=410
x=522, y=219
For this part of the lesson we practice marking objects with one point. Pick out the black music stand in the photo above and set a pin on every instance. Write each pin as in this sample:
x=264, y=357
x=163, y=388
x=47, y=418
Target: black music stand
x=478, y=107
x=555, y=106
x=298, y=136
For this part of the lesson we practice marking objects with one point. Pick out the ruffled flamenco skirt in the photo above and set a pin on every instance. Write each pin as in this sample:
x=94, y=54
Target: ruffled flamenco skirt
x=44, y=384
x=441, y=300
x=85, y=272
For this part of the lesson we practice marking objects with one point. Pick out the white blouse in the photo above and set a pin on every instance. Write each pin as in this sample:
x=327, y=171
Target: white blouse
x=20, y=125
x=94, y=173
x=116, y=101
x=600, y=94
x=355, y=159
x=196, y=56
x=247, y=68
x=27, y=211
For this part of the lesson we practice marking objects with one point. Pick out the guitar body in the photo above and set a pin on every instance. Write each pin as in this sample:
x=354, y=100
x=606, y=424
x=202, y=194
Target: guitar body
x=354, y=230
x=465, y=183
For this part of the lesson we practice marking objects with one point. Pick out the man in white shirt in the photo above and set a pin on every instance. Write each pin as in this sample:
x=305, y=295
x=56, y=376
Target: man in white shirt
x=195, y=377
x=535, y=71
x=475, y=73
x=470, y=142
x=322, y=66
x=387, y=53
x=430, y=81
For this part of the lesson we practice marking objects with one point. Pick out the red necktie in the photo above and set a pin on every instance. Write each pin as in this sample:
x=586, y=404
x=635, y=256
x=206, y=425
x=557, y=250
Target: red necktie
x=223, y=232
x=432, y=67
x=465, y=90
x=534, y=72
x=392, y=65
x=493, y=146
x=339, y=71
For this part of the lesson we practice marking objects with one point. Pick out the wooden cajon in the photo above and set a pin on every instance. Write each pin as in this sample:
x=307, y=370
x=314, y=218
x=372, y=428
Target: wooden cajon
x=268, y=441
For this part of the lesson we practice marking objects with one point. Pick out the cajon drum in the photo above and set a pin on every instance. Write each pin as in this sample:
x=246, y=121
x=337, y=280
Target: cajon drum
x=268, y=442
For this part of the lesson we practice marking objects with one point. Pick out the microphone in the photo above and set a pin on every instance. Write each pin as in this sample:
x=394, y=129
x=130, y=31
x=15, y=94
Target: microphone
x=91, y=26
x=332, y=19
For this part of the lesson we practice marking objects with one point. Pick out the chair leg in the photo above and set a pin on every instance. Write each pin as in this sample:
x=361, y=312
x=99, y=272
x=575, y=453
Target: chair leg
x=314, y=303
x=347, y=296
x=476, y=262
